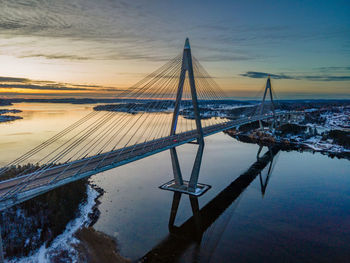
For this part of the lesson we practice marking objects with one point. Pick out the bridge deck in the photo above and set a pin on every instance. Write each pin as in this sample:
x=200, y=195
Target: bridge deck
x=36, y=183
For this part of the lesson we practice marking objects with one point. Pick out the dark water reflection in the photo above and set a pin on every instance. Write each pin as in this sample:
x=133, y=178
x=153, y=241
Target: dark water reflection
x=192, y=231
x=295, y=209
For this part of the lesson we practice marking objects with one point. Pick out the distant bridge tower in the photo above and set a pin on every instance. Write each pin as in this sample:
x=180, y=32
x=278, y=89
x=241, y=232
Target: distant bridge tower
x=178, y=184
x=268, y=89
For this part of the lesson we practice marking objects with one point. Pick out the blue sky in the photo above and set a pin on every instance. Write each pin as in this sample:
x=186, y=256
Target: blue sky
x=304, y=45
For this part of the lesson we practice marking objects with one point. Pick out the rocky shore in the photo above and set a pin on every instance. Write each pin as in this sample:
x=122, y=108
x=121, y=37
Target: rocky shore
x=95, y=246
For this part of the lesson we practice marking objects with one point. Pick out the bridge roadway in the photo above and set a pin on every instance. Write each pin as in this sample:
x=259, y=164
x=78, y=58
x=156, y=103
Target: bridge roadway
x=25, y=187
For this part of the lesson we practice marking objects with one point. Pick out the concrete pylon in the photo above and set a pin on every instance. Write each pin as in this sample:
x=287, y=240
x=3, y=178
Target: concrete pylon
x=267, y=88
x=192, y=186
x=187, y=67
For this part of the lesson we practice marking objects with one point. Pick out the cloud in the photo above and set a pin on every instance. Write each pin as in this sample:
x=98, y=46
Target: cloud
x=226, y=57
x=56, y=95
x=103, y=52
x=38, y=87
x=56, y=56
x=144, y=30
x=24, y=83
x=10, y=79
x=82, y=30
x=261, y=75
x=333, y=69
x=327, y=78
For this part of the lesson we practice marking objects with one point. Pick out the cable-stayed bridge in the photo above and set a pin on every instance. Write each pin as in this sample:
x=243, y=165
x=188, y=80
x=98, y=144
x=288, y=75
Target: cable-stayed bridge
x=176, y=104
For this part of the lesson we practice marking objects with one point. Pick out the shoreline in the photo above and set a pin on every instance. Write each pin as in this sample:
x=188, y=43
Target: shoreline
x=61, y=247
x=95, y=246
x=289, y=145
x=75, y=244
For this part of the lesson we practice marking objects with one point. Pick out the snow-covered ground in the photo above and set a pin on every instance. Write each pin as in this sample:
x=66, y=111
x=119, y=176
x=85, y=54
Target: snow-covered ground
x=337, y=120
x=317, y=144
x=62, y=248
x=316, y=137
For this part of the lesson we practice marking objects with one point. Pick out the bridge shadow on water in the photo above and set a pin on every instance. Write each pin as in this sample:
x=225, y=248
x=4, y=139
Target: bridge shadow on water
x=191, y=237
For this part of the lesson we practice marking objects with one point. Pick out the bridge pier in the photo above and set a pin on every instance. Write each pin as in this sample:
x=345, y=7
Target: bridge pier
x=176, y=167
x=191, y=187
x=196, y=167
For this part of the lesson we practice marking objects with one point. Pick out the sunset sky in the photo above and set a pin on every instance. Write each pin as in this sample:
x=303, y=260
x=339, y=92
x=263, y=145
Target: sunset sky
x=89, y=48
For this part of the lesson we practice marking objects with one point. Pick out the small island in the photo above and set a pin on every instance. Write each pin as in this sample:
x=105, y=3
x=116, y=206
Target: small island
x=6, y=118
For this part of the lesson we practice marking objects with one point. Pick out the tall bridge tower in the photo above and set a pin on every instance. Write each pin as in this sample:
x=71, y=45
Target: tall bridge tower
x=178, y=184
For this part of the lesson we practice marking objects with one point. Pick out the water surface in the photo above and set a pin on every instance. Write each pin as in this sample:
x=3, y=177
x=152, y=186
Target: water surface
x=302, y=217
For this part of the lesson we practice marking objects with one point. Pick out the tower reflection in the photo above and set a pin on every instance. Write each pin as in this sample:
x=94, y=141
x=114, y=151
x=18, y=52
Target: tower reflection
x=190, y=233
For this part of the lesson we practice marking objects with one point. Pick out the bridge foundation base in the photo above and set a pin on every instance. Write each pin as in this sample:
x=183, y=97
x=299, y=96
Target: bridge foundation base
x=172, y=186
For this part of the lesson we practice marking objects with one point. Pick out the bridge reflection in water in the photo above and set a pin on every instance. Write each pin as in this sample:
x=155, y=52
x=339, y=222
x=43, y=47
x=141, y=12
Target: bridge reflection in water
x=190, y=234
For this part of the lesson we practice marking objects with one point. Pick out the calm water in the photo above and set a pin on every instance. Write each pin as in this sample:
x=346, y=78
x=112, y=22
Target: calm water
x=304, y=215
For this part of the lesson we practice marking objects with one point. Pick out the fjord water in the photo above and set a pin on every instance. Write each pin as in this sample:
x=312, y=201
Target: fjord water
x=304, y=215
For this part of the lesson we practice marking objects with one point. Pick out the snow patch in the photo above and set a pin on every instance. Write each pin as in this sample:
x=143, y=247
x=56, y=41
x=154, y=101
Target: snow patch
x=62, y=245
